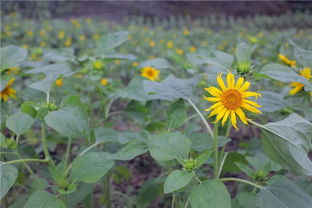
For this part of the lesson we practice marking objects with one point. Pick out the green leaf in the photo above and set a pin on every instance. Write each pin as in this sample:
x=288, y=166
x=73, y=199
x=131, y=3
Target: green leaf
x=210, y=194
x=131, y=150
x=203, y=157
x=302, y=55
x=12, y=56
x=170, y=88
x=133, y=91
x=246, y=199
x=43, y=199
x=71, y=120
x=243, y=52
x=8, y=174
x=261, y=162
x=271, y=101
x=59, y=55
x=288, y=142
x=176, y=114
x=91, y=167
x=176, y=180
x=158, y=63
x=169, y=146
x=110, y=41
x=30, y=108
x=284, y=74
x=19, y=122
x=283, y=194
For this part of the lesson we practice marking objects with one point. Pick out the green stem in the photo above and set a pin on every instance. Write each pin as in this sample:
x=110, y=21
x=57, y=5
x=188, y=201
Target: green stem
x=201, y=116
x=108, y=108
x=242, y=181
x=45, y=144
x=216, y=153
x=25, y=160
x=107, y=191
x=173, y=200
x=67, y=153
x=222, y=155
x=24, y=163
x=187, y=202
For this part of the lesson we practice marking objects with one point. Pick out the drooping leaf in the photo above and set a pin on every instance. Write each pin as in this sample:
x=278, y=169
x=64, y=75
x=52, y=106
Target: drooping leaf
x=176, y=180
x=19, y=122
x=271, y=101
x=133, y=91
x=210, y=194
x=243, y=52
x=12, y=56
x=131, y=150
x=43, y=199
x=169, y=146
x=176, y=114
x=8, y=174
x=110, y=41
x=170, y=88
x=90, y=167
x=288, y=142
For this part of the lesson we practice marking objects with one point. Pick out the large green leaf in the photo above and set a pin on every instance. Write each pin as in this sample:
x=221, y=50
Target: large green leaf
x=176, y=180
x=176, y=114
x=169, y=146
x=157, y=63
x=170, y=88
x=59, y=55
x=8, y=174
x=110, y=41
x=243, y=52
x=210, y=194
x=302, y=55
x=283, y=194
x=43, y=199
x=133, y=91
x=131, y=150
x=288, y=142
x=284, y=74
x=271, y=101
x=90, y=167
x=12, y=56
x=71, y=120
x=19, y=122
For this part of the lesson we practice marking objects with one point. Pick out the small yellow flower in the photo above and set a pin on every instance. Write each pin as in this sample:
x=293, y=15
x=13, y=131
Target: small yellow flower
x=135, y=64
x=117, y=62
x=179, y=51
x=231, y=99
x=96, y=36
x=29, y=33
x=192, y=49
x=104, y=81
x=152, y=43
x=98, y=64
x=42, y=44
x=150, y=73
x=186, y=32
x=42, y=33
x=169, y=44
x=285, y=60
x=59, y=82
x=8, y=91
x=305, y=72
x=13, y=70
x=82, y=37
x=25, y=46
x=68, y=42
x=61, y=35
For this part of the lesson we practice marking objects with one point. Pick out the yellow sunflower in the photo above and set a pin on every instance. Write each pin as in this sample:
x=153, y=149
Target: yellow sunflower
x=8, y=91
x=231, y=99
x=287, y=61
x=59, y=82
x=305, y=72
x=150, y=73
x=104, y=81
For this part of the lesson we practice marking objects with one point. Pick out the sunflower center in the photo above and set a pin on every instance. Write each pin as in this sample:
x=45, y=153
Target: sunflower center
x=150, y=73
x=231, y=99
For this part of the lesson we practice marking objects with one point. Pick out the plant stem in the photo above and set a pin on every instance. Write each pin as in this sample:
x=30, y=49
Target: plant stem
x=25, y=160
x=108, y=108
x=187, y=202
x=242, y=181
x=216, y=153
x=24, y=163
x=173, y=199
x=107, y=191
x=222, y=155
x=45, y=144
x=201, y=116
x=67, y=153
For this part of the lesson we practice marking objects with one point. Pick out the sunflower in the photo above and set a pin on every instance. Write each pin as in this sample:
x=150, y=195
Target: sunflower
x=231, y=99
x=8, y=91
x=287, y=61
x=150, y=73
x=104, y=81
x=305, y=72
x=59, y=82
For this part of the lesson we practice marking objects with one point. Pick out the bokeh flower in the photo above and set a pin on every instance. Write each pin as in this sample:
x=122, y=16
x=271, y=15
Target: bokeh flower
x=59, y=82
x=8, y=91
x=297, y=86
x=231, y=99
x=287, y=61
x=104, y=81
x=150, y=73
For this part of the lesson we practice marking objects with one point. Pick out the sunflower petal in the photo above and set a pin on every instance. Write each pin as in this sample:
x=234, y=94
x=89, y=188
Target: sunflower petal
x=220, y=115
x=214, y=106
x=230, y=80
x=221, y=82
x=251, y=94
x=295, y=90
x=245, y=86
x=212, y=99
x=250, y=108
x=241, y=115
x=239, y=82
x=233, y=119
x=214, y=91
x=216, y=111
x=225, y=117
x=252, y=103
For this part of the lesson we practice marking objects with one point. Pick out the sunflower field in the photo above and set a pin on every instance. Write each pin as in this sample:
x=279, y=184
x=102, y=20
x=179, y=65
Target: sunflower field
x=208, y=113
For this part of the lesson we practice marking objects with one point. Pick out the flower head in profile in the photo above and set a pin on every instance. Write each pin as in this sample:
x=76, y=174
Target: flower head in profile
x=287, y=61
x=8, y=91
x=59, y=82
x=297, y=86
x=150, y=73
x=230, y=100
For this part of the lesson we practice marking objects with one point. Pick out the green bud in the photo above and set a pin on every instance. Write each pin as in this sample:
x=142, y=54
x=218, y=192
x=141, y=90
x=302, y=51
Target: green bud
x=10, y=143
x=261, y=176
x=190, y=165
x=243, y=67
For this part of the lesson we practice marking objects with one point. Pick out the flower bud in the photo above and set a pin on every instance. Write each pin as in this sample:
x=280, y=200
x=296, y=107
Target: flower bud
x=190, y=165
